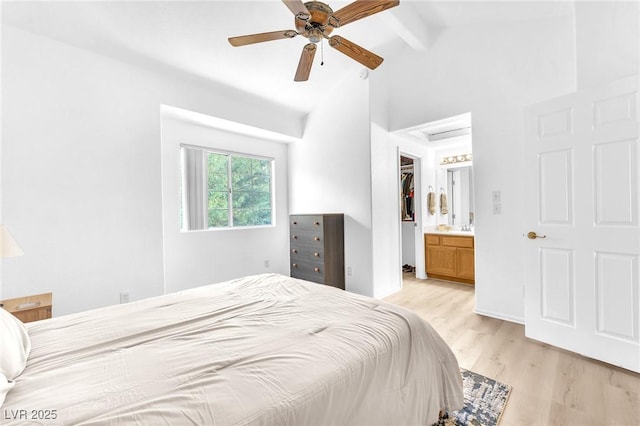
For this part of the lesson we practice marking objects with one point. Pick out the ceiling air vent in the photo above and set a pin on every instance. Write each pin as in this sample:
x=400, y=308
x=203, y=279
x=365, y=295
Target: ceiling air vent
x=452, y=130
x=433, y=135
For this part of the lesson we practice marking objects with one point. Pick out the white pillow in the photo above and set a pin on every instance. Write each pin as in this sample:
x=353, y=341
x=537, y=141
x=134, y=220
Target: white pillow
x=5, y=387
x=14, y=346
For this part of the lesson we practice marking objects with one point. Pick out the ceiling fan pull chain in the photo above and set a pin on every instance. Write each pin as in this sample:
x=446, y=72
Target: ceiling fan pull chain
x=321, y=52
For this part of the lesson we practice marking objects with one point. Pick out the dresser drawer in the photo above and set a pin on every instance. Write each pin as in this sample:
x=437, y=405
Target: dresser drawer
x=307, y=265
x=300, y=251
x=307, y=270
x=33, y=314
x=307, y=237
x=453, y=241
x=433, y=240
x=306, y=222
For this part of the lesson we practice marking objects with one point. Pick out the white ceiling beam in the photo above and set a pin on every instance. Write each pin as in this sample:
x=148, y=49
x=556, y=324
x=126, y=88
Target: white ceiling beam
x=406, y=22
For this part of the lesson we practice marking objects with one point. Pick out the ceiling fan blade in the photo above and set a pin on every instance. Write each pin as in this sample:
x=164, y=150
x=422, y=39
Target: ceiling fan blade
x=306, y=59
x=352, y=50
x=298, y=8
x=361, y=9
x=261, y=37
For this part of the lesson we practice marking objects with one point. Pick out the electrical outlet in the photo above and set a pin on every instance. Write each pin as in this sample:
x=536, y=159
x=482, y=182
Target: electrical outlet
x=266, y=263
x=496, y=196
x=349, y=270
x=124, y=297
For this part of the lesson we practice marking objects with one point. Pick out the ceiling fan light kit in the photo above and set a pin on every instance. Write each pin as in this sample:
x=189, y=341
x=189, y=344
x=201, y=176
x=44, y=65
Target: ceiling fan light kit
x=315, y=21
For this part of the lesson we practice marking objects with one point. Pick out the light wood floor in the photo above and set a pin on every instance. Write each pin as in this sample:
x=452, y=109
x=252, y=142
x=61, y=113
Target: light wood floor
x=550, y=386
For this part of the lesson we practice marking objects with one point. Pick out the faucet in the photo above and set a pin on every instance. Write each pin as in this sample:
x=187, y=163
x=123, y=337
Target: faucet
x=467, y=227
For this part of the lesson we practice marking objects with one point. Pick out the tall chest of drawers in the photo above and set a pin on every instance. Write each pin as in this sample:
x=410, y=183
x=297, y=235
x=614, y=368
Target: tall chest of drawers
x=317, y=248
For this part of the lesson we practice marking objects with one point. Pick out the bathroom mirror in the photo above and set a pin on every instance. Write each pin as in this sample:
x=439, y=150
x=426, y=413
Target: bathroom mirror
x=460, y=195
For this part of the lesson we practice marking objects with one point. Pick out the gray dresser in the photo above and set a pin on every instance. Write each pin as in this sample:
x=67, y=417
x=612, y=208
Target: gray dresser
x=317, y=248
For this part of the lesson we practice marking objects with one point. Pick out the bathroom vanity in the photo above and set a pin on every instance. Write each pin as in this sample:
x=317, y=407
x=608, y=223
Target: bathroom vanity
x=449, y=255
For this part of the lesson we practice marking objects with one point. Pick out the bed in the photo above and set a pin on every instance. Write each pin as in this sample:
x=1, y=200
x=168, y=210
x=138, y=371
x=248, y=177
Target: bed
x=259, y=350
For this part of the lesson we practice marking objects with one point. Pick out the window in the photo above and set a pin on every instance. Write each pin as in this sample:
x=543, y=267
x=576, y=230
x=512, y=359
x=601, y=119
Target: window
x=225, y=190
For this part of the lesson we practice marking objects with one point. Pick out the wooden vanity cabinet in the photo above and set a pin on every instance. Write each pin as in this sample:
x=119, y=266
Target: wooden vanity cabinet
x=450, y=257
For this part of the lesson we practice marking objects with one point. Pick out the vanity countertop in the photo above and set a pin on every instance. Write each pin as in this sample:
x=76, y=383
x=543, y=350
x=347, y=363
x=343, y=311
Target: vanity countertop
x=454, y=231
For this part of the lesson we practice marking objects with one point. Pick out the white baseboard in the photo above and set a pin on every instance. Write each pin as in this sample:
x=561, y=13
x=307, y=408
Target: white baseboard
x=389, y=292
x=500, y=316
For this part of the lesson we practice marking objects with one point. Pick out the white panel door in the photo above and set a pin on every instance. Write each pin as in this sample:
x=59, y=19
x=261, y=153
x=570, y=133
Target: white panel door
x=582, y=201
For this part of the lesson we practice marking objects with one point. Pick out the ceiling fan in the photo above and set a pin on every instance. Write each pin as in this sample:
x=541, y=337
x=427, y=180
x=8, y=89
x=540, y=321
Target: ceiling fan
x=316, y=20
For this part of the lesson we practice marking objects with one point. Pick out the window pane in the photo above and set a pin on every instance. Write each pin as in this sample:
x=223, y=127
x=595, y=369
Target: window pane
x=218, y=163
x=264, y=217
x=218, y=218
x=262, y=167
x=262, y=201
x=262, y=183
x=251, y=191
x=218, y=176
x=218, y=190
x=218, y=200
x=240, y=166
x=241, y=182
x=218, y=182
x=242, y=200
x=242, y=174
x=243, y=217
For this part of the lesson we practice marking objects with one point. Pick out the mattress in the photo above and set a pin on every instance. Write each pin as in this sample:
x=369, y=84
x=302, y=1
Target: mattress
x=260, y=350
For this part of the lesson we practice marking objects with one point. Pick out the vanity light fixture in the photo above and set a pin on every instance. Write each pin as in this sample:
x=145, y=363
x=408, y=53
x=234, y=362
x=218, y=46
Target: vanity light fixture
x=456, y=159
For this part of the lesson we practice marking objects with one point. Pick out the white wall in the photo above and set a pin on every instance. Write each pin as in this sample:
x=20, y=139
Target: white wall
x=386, y=148
x=385, y=192
x=385, y=215
x=330, y=172
x=204, y=257
x=493, y=72
x=81, y=168
x=607, y=41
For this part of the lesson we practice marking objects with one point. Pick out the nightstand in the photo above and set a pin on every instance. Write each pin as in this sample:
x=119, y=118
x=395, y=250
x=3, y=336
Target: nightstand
x=29, y=308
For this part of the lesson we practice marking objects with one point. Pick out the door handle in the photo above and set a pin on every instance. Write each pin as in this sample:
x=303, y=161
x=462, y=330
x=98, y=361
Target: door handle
x=532, y=235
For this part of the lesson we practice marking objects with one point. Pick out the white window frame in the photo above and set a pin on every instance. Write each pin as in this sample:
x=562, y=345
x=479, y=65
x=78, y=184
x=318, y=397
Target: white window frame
x=184, y=227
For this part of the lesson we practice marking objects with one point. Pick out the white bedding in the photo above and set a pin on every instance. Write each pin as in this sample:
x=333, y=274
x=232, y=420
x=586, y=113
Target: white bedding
x=266, y=349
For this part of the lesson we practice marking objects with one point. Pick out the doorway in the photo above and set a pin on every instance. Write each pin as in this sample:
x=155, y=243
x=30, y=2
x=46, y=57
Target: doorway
x=435, y=147
x=410, y=214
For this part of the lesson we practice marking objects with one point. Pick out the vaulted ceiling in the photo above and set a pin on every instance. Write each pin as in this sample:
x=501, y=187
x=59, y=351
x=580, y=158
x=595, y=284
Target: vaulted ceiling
x=189, y=38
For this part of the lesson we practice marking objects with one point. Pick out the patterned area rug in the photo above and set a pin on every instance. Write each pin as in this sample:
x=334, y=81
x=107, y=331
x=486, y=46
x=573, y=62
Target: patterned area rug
x=484, y=402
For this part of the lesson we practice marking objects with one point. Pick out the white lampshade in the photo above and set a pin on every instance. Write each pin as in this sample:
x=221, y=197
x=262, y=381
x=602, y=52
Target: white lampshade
x=8, y=246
